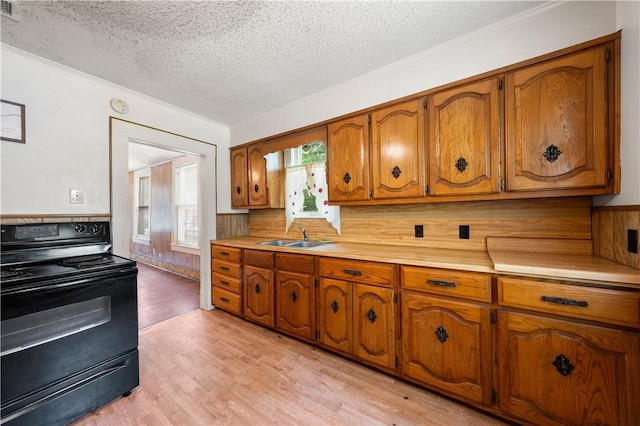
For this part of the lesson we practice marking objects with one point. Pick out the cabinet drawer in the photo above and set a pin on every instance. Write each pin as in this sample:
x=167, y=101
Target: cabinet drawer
x=450, y=283
x=258, y=258
x=228, y=254
x=598, y=304
x=295, y=262
x=355, y=270
x=226, y=300
x=223, y=281
x=226, y=268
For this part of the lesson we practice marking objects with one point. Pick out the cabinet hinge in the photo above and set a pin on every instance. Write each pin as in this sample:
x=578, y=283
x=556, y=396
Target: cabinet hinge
x=494, y=396
x=395, y=297
x=608, y=56
x=369, y=119
x=317, y=334
x=426, y=189
x=370, y=193
x=492, y=318
x=315, y=282
x=396, y=362
x=609, y=175
x=501, y=185
x=424, y=103
x=500, y=84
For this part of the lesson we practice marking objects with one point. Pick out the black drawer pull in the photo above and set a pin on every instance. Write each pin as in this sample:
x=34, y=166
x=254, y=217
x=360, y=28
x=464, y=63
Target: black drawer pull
x=223, y=282
x=224, y=299
x=441, y=283
x=224, y=268
x=564, y=301
x=353, y=272
x=224, y=253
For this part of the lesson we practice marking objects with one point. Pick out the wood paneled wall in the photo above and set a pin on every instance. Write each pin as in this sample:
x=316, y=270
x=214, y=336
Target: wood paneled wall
x=232, y=225
x=610, y=226
x=536, y=218
x=159, y=251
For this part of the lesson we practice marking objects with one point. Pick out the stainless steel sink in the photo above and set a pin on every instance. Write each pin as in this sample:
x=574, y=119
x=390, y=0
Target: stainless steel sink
x=308, y=244
x=278, y=242
x=295, y=243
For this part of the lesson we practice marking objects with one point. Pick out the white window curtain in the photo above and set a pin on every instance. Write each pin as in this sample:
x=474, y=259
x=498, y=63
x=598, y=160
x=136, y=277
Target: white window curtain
x=307, y=195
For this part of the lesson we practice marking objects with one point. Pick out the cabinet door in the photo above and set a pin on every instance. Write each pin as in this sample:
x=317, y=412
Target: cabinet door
x=258, y=195
x=464, y=139
x=239, y=177
x=556, y=123
x=446, y=344
x=374, y=325
x=559, y=372
x=397, y=138
x=258, y=295
x=295, y=304
x=348, y=159
x=335, y=315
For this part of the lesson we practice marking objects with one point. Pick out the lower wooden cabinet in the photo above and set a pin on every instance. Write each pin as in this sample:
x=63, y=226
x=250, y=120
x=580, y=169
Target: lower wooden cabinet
x=334, y=315
x=295, y=304
x=559, y=372
x=374, y=325
x=447, y=344
x=358, y=319
x=258, y=295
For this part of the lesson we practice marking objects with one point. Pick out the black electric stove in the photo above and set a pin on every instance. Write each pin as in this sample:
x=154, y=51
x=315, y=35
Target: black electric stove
x=69, y=322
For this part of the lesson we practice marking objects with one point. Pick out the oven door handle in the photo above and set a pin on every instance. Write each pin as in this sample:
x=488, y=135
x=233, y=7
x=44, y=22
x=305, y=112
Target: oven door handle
x=62, y=392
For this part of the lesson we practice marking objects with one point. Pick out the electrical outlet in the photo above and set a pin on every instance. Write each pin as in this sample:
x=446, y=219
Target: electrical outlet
x=632, y=240
x=463, y=232
x=76, y=196
x=419, y=231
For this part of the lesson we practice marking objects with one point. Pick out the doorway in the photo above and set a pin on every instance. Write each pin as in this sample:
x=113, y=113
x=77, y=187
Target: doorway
x=123, y=133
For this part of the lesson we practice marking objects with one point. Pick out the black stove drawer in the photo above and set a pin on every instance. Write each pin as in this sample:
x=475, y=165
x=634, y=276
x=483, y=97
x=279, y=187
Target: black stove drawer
x=67, y=400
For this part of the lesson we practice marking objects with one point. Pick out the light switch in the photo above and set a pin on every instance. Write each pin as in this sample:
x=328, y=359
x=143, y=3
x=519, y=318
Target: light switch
x=76, y=196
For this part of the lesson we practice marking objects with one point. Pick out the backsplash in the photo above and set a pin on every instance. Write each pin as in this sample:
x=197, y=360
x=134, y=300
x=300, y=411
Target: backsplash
x=610, y=226
x=395, y=224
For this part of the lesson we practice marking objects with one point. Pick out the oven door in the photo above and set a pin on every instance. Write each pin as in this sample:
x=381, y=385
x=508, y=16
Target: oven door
x=54, y=331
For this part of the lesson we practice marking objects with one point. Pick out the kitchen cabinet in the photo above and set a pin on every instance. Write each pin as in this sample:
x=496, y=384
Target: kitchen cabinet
x=348, y=159
x=226, y=278
x=259, y=287
x=356, y=312
x=463, y=137
x=397, y=150
x=557, y=372
x=557, y=118
x=295, y=295
x=445, y=333
x=248, y=177
x=583, y=369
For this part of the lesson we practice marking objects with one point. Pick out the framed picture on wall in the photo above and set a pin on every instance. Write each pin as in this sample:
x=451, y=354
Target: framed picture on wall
x=12, y=121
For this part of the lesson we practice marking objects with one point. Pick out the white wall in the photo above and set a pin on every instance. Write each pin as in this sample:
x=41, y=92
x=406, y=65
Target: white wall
x=548, y=28
x=67, y=137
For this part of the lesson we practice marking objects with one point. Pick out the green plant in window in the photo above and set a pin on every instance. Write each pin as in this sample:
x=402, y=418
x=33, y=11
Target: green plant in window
x=314, y=153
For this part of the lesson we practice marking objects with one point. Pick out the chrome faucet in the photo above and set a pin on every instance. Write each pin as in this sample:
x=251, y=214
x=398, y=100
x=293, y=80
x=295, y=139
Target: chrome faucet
x=304, y=233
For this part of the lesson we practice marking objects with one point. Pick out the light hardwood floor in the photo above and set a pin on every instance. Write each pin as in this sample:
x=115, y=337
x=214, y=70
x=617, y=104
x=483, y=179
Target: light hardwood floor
x=209, y=367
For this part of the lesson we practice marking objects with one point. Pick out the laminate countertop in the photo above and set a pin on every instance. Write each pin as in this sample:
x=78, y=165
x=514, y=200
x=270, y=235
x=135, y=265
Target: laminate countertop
x=500, y=258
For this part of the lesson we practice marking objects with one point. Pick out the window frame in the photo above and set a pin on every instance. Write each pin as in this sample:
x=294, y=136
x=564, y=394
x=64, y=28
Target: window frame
x=176, y=243
x=137, y=176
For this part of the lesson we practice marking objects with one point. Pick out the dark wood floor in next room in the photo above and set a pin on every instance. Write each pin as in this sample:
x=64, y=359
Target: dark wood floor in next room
x=163, y=295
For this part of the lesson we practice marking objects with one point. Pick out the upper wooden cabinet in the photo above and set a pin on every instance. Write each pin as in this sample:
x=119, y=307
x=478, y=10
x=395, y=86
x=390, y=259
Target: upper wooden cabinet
x=248, y=177
x=556, y=123
x=348, y=159
x=464, y=139
x=397, y=150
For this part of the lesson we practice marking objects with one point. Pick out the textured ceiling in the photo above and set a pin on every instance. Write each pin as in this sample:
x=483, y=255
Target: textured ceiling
x=231, y=60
